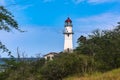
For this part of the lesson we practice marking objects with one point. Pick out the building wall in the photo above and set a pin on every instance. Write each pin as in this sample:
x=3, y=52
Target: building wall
x=50, y=56
x=68, y=29
x=68, y=44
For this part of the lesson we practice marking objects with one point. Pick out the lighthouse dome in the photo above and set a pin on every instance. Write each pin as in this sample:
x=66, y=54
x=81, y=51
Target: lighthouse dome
x=68, y=20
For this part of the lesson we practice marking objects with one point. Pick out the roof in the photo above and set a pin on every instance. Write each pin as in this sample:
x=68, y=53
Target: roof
x=53, y=53
x=68, y=20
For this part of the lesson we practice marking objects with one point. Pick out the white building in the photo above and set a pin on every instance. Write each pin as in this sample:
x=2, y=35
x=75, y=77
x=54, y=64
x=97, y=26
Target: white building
x=68, y=35
x=50, y=56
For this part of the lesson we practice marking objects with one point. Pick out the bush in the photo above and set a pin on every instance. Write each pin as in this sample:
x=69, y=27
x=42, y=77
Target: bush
x=66, y=64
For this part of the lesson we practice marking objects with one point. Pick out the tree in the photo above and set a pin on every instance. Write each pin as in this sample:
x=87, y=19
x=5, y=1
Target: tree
x=7, y=23
x=103, y=47
x=65, y=64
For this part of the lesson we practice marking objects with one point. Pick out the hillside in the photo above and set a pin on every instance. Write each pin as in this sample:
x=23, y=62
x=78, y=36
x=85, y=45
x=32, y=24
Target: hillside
x=111, y=75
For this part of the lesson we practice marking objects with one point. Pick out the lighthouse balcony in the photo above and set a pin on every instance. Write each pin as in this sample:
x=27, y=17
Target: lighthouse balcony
x=68, y=25
x=68, y=32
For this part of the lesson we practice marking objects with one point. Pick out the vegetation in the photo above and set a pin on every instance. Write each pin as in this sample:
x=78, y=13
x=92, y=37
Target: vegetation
x=103, y=47
x=111, y=75
x=99, y=52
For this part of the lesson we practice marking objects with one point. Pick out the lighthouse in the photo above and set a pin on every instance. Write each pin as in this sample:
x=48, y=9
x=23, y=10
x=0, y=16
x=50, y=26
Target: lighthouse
x=68, y=35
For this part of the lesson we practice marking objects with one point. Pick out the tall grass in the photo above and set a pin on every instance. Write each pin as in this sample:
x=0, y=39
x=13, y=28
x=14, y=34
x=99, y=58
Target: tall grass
x=111, y=75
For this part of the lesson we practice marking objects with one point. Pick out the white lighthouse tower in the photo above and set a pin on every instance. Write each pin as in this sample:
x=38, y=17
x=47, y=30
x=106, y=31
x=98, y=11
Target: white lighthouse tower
x=68, y=34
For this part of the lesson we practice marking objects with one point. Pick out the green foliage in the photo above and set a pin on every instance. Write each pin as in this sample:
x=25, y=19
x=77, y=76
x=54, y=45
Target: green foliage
x=22, y=69
x=66, y=64
x=104, y=47
x=4, y=48
x=7, y=22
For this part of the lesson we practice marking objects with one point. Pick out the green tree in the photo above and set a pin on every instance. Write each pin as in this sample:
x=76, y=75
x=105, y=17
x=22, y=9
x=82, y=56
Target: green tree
x=64, y=65
x=7, y=23
x=103, y=47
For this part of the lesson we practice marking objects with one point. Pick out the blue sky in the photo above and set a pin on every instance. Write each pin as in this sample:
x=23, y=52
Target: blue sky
x=44, y=22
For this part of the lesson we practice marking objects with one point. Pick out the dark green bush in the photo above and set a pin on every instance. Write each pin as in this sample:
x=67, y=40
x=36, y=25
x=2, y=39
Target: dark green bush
x=66, y=64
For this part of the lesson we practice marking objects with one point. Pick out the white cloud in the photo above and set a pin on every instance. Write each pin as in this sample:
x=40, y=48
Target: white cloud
x=102, y=1
x=98, y=1
x=95, y=1
x=2, y=2
x=101, y=21
x=19, y=7
x=77, y=1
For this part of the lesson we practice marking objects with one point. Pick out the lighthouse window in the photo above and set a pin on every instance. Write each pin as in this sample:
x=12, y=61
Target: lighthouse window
x=68, y=23
x=68, y=35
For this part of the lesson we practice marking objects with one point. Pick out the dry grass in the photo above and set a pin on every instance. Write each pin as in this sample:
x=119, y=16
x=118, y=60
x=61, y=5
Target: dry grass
x=111, y=75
